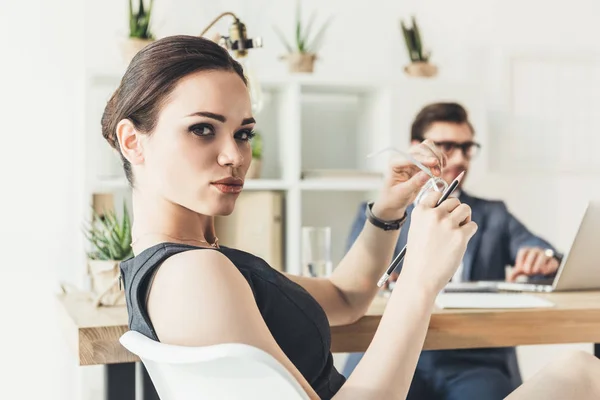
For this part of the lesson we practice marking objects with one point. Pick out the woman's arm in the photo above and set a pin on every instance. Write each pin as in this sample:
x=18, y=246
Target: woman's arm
x=209, y=288
x=439, y=238
x=347, y=293
x=199, y=298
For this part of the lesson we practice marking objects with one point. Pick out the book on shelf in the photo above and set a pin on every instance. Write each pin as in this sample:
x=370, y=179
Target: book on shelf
x=255, y=226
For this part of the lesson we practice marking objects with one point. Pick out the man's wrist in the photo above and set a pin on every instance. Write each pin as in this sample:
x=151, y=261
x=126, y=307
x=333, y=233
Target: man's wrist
x=550, y=253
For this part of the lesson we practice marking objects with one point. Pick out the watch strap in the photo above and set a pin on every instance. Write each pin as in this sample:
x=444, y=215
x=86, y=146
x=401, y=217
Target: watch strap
x=383, y=224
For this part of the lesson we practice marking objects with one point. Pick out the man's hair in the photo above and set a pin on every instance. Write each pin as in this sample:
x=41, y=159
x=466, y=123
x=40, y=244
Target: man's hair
x=438, y=112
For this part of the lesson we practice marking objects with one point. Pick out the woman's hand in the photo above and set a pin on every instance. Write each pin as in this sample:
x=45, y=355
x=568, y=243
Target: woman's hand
x=405, y=180
x=437, y=241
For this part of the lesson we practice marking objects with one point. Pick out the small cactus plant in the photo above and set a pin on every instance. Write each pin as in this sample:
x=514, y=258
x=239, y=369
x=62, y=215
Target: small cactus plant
x=139, y=23
x=414, y=42
x=110, y=238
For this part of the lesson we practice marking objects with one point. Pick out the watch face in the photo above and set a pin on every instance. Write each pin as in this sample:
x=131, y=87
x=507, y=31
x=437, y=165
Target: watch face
x=432, y=185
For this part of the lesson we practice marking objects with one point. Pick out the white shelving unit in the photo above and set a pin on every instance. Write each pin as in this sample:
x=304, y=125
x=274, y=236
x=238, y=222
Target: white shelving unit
x=307, y=123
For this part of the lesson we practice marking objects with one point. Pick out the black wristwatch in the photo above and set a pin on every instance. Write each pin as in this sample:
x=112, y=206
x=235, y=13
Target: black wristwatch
x=382, y=224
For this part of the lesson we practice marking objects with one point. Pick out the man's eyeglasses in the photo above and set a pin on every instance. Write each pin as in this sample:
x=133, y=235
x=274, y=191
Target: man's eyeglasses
x=469, y=149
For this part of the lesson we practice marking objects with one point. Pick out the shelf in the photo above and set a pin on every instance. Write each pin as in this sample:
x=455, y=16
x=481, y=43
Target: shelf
x=341, y=184
x=265, y=184
x=113, y=183
x=317, y=132
x=324, y=84
x=308, y=83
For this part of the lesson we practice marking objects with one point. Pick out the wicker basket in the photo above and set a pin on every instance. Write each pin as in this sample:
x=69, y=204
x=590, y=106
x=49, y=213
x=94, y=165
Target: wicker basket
x=421, y=70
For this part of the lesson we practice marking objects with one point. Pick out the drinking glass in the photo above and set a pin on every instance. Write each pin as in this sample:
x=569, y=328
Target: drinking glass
x=316, y=251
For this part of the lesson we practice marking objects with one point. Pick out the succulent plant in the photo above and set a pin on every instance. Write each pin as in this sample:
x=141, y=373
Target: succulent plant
x=414, y=43
x=139, y=23
x=303, y=43
x=110, y=238
x=257, y=146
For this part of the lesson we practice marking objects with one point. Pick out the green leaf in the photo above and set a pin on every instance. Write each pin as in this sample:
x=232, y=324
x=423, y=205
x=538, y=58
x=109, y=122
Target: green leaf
x=126, y=238
x=139, y=22
x=407, y=40
x=316, y=43
x=114, y=236
x=282, y=38
x=131, y=18
x=109, y=219
x=299, y=43
x=414, y=51
x=308, y=28
x=101, y=240
x=417, y=39
x=104, y=254
x=257, y=146
x=149, y=12
x=109, y=237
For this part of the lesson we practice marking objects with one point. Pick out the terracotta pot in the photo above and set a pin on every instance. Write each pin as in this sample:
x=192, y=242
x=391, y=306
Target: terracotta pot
x=301, y=62
x=131, y=46
x=421, y=70
x=255, y=169
x=104, y=277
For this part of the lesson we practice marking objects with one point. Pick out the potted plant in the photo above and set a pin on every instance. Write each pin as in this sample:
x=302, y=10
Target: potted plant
x=139, y=30
x=255, y=169
x=110, y=241
x=420, y=65
x=302, y=55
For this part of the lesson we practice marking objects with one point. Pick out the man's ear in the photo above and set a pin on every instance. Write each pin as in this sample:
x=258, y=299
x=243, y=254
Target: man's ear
x=414, y=142
x=130, y=142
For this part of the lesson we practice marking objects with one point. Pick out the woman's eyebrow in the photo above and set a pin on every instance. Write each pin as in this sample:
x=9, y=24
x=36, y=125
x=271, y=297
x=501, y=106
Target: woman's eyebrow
x=207, y=114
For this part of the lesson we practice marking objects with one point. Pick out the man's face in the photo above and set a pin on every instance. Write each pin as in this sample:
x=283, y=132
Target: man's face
x=456, y=141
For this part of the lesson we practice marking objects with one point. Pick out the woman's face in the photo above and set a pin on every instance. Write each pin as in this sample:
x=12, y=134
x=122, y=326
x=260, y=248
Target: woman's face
x=199, y=152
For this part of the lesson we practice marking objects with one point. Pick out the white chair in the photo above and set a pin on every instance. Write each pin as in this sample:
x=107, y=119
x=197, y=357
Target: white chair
x=223, y=371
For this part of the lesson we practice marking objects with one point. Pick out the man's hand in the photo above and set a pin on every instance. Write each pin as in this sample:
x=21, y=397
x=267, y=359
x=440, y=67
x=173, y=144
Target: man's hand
x=533, y=261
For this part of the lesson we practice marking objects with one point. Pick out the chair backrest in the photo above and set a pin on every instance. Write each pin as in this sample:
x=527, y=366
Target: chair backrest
x=223, y=371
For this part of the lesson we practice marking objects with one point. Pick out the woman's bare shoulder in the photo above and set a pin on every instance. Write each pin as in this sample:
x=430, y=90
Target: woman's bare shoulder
x=192, y=288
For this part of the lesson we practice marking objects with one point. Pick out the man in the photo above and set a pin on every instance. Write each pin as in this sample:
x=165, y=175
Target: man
x=501, y=240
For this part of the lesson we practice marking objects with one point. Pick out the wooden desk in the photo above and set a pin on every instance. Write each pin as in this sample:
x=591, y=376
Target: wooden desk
x=94, y=332
x=574, y=319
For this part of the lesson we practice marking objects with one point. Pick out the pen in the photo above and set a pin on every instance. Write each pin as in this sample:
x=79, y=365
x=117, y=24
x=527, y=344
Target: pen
x=396, y=261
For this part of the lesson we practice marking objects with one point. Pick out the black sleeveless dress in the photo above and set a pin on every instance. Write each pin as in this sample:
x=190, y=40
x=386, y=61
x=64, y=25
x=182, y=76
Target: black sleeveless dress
x=295, y=319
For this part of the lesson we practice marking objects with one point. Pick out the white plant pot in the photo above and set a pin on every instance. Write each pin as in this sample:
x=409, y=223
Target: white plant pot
x=300, y=62
x=104, y=282
x=421, y=70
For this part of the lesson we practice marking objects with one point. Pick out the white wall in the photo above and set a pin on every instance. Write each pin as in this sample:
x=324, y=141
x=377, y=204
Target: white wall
x=43, y=46
x=40, y=79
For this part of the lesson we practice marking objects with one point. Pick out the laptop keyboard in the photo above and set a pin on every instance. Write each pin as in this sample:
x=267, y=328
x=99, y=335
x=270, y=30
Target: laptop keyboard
x=523, y=287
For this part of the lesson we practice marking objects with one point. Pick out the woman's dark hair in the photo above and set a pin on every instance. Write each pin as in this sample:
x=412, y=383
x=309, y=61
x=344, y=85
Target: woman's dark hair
x=152, y=75
x=438, y=112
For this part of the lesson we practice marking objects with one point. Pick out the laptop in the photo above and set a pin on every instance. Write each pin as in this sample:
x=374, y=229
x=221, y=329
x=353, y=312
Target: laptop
x=579, y=270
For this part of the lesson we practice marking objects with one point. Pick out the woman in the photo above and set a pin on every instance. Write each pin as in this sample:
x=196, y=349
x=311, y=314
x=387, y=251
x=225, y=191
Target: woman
x=182, y=121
